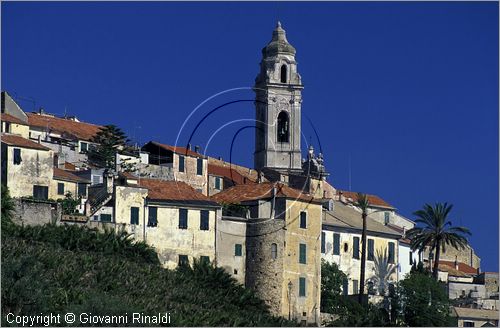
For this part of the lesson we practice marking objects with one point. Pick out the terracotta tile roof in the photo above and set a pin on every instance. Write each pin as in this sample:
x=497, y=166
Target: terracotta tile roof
x=247, y=192
x=463, y=312
x=18, y=141
x=60, y=174
x=177, y=149
x=465, y=268
x=230, y=173
x=347, y=216
x=452, y=271
x=12, y=119
x=373, y=199
x=80, y=130
x=174, y=191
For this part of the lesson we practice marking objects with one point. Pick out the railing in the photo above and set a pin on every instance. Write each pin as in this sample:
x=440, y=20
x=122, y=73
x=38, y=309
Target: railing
x=97, y=198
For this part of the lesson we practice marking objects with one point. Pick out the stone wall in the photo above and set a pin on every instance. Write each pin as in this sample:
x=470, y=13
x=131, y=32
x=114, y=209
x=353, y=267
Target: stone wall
x=263, y=273
x=30, y=212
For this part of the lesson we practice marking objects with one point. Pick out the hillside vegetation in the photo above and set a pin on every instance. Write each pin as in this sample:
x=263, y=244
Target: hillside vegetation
x=60, y=269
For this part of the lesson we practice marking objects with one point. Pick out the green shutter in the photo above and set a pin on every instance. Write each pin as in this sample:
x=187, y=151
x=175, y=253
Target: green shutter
x=302, y=287
x=323, y=241
x=199, y=166
x=302, y=254
x=336, y=244
x=391, y=252
x=303, y=220
x=355, y=248
x=152, y=216
x=238, y=250
x=371, y=249
x=181, y=163
x=183, y=218
x=204, y=225
x=134, y=215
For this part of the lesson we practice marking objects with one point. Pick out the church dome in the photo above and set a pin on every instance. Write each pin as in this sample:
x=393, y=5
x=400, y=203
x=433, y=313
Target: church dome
x=279, y=44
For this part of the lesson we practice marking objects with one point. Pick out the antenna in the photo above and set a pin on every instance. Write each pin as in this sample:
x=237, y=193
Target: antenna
x=350, y=172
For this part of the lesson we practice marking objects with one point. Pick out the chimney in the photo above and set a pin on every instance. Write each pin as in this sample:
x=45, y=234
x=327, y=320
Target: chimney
x=456, y=263
x=404, y=231
x=189, y=146
x=220, y=158
x=197, y=149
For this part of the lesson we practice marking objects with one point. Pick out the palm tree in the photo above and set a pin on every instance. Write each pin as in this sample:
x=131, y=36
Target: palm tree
x=383, y=270
x=363, y=204
x=437, y=232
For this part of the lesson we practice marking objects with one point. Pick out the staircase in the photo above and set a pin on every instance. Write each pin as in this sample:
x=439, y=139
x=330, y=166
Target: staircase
x=98, y=197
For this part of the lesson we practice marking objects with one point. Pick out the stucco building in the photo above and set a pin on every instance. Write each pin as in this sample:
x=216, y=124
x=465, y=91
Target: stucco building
x=281, y=246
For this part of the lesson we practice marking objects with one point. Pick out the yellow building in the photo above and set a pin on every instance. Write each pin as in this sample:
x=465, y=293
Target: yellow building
x=65, y=182
x=14, y=125
x=26, y=167
x=282, y=246
x=341, y=244
x=171, y=216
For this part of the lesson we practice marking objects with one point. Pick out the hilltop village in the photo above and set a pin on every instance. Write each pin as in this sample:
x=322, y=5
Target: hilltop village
x=269, y=226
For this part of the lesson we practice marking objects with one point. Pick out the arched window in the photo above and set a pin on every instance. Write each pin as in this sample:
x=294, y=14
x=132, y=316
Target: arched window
x=274, y=251
x=283, y=73
x=283, y=127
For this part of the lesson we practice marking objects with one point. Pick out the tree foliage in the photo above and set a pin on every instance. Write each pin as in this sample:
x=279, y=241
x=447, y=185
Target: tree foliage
x=53, y=269
x=7, y=204
x=332, y=279
x=421, y=301
x=437, y=232
x=109, y=140
x=69, y=204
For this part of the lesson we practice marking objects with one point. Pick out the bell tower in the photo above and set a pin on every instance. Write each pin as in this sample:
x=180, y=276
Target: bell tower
x=278, y=89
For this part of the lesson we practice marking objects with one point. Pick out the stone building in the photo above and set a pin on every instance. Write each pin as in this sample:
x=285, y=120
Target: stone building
x=341, y=244
x=282, y=229
x=26, y=167
x=223, y=175
x=178, y=221
x=175, y=163
x=69, y=138
x=278, y=89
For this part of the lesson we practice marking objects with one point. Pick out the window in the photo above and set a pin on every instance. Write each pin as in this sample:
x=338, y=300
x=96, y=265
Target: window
x=204, y=220
x=217, y=183
x=183, y=218
x=355, y=287
x=274, y=251
x=345, y=287
x=17, y=156
x=391, y=252
x=336, y=244
x=60, y=188
x=303, y=220
x=181, y=163
x=323, y=241
x=183, y=260
x=82, y=189
x=237, y=250
x=40, y=192
x=355, y=248
x=411, y=258
x=469, y=324
x=371, y=251
x=199, y=166
x=283, y=127
x=302, y=287
x=152, y=216
x=84, y=147
x=134, y=215
x=204, y=259
x=386, y=217
x=106, y=217
x=302, y=253
x=283, y=73
x=346, y=247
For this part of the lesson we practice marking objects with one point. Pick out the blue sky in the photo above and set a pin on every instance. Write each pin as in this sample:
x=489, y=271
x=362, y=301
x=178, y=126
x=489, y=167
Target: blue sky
x=407, y=93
